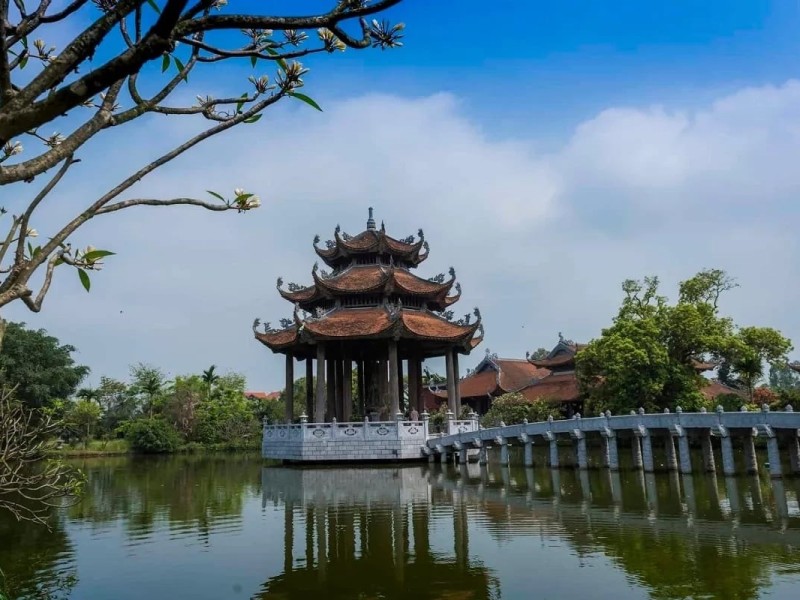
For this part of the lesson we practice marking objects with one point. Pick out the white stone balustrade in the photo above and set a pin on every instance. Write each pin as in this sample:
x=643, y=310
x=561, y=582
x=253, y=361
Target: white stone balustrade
x=673, y=428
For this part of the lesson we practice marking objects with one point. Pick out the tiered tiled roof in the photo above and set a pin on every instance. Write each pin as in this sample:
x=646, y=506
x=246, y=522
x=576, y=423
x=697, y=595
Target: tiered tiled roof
x=372, y=279
x=344, y=248
x=495, y=376
x=372, y=294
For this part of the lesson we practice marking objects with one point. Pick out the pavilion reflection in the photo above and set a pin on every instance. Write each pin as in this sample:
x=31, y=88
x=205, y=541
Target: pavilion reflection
x=366, y=533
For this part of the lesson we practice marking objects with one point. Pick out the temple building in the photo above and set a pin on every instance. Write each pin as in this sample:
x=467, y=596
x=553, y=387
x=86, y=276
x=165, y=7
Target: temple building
x=560, y=384
x=494, y=377
x=372, y=312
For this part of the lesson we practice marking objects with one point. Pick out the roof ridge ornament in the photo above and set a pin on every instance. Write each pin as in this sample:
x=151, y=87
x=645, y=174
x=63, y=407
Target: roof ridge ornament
x=370, y=220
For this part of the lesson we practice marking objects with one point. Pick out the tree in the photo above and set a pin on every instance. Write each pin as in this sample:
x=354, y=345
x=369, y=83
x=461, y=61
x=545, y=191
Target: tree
x=88, y=393
x=83, y=415
x=38, y=366
x=119, y=403
x=104, y=72
x=210, y=378
x=514, y=408
x=648, y=357
x=29, y=483
x=539, y=354
x=181, y=402
x=147, y=383
x=753, y=347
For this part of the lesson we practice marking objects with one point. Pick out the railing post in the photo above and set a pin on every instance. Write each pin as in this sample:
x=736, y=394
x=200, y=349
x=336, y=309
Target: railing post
x=728, y=467
x=647, y=445
x=426, y=418
x=683, y=445
x=551, y=438
x=580, y=450
x=611, y=453
x=773, y=451
x=709, y=464
x=450, y=418
x=527, y=445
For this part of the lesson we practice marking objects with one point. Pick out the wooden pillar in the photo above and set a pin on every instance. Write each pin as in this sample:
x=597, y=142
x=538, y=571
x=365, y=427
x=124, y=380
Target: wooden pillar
x=319, y=410
x=457, y=380
x=330, y=374
x=383, y=385
x=451, y=384
x=347, y=390
x=400, y=386
x=394, y=388
x=340, y=385
x=413, y=390
x=362, y=404
x=289, y=392
x=418, y=386
x=310, y=388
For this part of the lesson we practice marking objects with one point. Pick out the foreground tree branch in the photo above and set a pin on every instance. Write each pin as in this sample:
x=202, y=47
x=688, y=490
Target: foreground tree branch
x=92, y=87
x=30, y=483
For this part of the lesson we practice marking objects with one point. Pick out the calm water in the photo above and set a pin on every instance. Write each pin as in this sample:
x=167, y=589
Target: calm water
x=227, y=527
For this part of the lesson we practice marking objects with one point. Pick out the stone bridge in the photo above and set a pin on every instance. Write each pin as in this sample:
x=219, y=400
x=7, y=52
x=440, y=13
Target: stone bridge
x=778, y=428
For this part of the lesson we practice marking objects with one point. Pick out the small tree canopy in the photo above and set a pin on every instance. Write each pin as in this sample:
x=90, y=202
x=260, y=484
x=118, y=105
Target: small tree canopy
x=38, y=365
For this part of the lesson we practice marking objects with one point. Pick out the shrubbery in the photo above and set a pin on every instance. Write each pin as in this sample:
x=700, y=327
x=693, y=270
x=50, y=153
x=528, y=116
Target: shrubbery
x=514, y=408
x=152, y=436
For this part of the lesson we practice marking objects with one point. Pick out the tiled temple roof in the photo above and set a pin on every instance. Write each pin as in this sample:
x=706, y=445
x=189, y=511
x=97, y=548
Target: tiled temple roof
x=561, y=387
x=365, y=323
x=373, y=241
x=362, y=279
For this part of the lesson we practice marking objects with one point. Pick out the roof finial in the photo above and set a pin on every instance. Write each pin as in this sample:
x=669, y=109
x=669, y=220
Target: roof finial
x=370, y=221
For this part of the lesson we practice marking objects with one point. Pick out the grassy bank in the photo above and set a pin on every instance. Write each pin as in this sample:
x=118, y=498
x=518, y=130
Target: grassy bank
x=122, y=447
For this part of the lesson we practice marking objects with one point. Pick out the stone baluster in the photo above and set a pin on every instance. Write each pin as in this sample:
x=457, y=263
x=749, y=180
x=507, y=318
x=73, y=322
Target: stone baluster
x=709, y=464
x=503, y=443
x=553, y=440
x=685, y=458
x=773, y=451
x=610, y=453
x=527, y=445
x=726, y=444
x=426, y=419
x=750, y=461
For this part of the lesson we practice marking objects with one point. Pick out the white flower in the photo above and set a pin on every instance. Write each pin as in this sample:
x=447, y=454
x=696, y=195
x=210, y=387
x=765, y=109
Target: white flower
x=218, y=4
x=12, y=148
x=89, y=249
x=238, y=192
x=253, y=202
x=55, y=140
x=31, y=232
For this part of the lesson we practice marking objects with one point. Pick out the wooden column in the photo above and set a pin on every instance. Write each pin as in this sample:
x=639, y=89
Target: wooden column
x=347, y=390
x=394, y=389
x=310, y=388
x=383, y=384
x=451, y=384
x=319, y=409
x=457, y=379
x=361, y=386
x=400, y=386
x=289, y=393
x=418, y=387
x=413, y=388
x=340, y=390
x=330, y=373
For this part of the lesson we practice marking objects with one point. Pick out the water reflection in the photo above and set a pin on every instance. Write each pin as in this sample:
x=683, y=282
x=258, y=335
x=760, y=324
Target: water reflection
x=228, y=527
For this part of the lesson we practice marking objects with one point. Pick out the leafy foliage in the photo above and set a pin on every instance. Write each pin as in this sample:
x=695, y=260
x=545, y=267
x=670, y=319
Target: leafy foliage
x=152, y=436
x=38, y=366
x=514, y=408
x=648, y=356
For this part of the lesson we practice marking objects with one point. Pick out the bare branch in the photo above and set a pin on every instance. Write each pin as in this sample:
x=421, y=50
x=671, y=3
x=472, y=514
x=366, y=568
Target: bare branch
x=153, y=202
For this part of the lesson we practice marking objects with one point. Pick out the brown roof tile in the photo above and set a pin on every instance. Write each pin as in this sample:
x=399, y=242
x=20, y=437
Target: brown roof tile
x=715, y=388
x=357, y=322
x=424, y=324
x=558, y=386
x=517, y=373
x=278, y=339
x=356, y=279
x=416, y=285
x=557, y=361
x=478, y=384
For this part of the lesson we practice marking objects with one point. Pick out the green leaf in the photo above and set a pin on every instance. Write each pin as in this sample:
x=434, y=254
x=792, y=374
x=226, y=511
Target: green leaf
x=253, y=60
x=25, y=42
x=23, y=62
x=84, y=277
x=280, y=61
x=154, y=5
x=180, y=68
x=95, y=254
x=305, y=99
x=165, y=63
x=216, y=195
x=240, y=104
x=252, y=119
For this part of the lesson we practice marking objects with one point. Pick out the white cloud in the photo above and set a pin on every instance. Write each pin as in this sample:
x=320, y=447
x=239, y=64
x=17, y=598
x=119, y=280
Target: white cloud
x=540, y=242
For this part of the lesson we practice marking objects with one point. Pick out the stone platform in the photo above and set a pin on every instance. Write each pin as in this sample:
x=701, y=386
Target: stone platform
x=359, y=441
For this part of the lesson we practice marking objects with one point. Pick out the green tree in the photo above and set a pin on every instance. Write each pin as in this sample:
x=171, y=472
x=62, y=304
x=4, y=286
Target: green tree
x=539, y=354
x=274, y=410
x=147, y=382
x=152, y=436
x=753, y=347
x=83, y=415
x=88, y=393
x=38, y=366
x=648, y=355
x=181, y=401
x=514, y=408
x=119, y=404
x=210, y=378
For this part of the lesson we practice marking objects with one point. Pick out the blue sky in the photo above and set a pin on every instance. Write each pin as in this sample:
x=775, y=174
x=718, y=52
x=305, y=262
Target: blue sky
x=549, y=150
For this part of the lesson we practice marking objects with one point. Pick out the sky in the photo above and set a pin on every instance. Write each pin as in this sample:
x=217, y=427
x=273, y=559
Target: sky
x=549, y=151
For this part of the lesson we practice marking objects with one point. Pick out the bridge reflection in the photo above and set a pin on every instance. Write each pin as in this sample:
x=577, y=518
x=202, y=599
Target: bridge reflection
x=368, y=531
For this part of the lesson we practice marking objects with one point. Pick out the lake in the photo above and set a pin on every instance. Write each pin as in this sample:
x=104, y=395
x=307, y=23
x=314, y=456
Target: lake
x=223, y=526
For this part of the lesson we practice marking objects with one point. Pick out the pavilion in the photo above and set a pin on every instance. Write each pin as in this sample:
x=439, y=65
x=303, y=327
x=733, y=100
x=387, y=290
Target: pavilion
x=372, y=312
